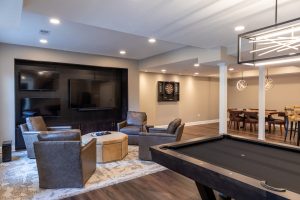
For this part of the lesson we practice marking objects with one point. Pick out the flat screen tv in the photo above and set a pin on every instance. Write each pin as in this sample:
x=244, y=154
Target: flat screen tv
x=40, y=107
x=94, y=94
x=38, y=80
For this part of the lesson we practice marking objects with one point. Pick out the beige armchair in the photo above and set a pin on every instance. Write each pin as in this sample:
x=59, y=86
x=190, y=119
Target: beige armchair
x=35, y=126
x=62, y=162
x=133, y=125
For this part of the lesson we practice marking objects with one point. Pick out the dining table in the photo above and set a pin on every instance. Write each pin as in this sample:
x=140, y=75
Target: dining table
x=268, y=115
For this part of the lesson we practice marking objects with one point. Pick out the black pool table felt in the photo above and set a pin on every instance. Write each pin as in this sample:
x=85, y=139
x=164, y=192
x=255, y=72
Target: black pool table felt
x=280, y=168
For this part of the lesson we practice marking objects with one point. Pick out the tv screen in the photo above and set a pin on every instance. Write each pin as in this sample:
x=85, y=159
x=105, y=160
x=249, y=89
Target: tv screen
x=94, y=94
x=40, y=107
x=38, y=80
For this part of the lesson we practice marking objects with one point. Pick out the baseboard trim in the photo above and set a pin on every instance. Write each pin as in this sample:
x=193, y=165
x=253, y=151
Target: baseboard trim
x=202, y=122
x=193, y=123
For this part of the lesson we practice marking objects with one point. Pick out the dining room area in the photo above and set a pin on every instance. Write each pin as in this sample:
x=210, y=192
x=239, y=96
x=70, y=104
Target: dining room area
x=279, y=97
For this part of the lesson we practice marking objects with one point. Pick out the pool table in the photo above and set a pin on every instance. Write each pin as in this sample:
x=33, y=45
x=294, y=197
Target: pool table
x=237, y=167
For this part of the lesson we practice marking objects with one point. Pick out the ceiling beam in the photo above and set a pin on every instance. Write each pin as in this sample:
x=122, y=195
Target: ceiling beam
x=182, y=54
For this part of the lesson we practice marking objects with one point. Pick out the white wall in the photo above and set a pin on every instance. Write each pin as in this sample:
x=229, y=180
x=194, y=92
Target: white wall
x=199, y=99
x=8, y=53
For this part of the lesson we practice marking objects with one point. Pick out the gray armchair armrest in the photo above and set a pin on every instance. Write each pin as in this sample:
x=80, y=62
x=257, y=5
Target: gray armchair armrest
x=29, y=139
x=157, y=130
x=29, y=133
x=121, y=125
x=148, y=127
x=54, y=131
x=157, y=134
x=88, y=158
x=55, y=128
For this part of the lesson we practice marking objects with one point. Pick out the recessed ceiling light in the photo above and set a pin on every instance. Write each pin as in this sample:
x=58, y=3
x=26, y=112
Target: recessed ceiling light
x=231, y=69
x=151, y=40
x=239, y=28
x=163, y=70
x=196, y=65
x=196, y=73
x=43, y=41
x=54, y=21
x=122, y=52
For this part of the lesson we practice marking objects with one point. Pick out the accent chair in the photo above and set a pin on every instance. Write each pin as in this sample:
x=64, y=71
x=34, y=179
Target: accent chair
x=157, y=136
x=36, y=125
x=133, y=125
x=62, y=161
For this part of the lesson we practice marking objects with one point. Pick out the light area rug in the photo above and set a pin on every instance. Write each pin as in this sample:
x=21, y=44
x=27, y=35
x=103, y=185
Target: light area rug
x=19, y=178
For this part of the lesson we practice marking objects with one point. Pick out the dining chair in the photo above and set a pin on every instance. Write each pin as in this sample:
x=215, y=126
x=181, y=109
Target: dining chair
x=297, y=119
x=230, y=121
x=290, y=119
x=252, y=119
x=236, y=118
x=269, y=118
x=280, y=120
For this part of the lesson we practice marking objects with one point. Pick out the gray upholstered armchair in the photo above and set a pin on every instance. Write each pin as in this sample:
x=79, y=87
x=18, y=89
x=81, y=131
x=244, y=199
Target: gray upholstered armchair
x=62, y=162
x=157, y=136
x=134, y=124
x=35, y=126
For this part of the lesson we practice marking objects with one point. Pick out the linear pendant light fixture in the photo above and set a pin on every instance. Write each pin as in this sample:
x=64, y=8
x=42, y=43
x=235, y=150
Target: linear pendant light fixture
x=275, y=44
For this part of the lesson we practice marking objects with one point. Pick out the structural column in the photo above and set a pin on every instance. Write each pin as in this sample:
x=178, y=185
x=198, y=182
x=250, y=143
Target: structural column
x=222, y=98
x=261, y=103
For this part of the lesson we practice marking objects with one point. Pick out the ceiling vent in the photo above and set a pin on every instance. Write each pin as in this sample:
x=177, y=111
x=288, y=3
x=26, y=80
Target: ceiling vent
x=44, y=32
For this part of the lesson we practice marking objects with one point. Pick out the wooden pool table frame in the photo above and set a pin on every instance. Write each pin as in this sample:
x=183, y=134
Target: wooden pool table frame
x=209, y=177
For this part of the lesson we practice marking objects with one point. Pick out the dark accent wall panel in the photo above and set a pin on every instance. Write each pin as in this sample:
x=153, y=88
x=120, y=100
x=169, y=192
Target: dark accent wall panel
x=87, y=121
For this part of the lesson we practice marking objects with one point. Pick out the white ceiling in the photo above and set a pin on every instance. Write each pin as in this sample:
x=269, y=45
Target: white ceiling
x=76, y=37
x=204, y=23
x=106, y=26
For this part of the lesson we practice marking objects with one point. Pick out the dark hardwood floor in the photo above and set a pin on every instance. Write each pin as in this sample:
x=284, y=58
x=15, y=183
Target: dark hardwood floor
x=167, y=185
x=162, y=185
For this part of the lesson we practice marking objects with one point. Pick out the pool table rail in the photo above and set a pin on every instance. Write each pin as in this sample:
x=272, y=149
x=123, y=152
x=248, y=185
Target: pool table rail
x=210, y=177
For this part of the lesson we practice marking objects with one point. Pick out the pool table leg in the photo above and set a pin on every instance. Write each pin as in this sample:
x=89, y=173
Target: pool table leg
x=206, y=193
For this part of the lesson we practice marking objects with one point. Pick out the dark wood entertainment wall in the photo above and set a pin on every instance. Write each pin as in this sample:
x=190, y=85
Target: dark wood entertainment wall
x=85, y=120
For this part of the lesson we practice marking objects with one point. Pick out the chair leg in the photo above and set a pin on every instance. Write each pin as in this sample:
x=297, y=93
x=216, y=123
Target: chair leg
x=291, y=131
x=286, y=126
x=296, y=129
x=298, y=133
x=281, y=129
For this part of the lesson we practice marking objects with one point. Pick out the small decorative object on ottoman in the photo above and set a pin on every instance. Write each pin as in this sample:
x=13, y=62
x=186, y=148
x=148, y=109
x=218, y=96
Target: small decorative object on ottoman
x=6, y=151
x=110, y=147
